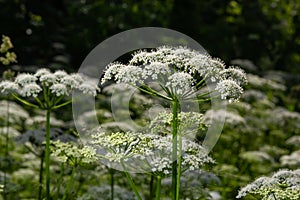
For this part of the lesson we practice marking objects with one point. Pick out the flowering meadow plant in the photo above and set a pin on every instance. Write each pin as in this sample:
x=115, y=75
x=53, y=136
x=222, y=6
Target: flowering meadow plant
x=284, y=184
x=48, y=90
x=180, y=75
x=180, y=71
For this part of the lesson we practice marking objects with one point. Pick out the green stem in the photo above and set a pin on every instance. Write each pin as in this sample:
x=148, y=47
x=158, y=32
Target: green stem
x=158, y=186
x=132, y=185
x=69, y=183
x=151, y=187
x=25, y=102
x=174, y=148
x=47, y=154
x=179, y=166
x=111, y=171
x=60, y=179
x=61, y=105
x=41, y=177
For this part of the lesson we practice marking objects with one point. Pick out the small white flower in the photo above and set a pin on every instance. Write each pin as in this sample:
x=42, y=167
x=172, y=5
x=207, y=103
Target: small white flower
x=180, y=82
x=70, y=81
x=30, y=89
x=41, y=72
x=8, y=87
x=235, y=74
x=60, y=74
x=24, y=79
x=130, y=74
x=48, y=79
x=155, y=69
x=89, y=88
x=230, y=90
x=111, y=70
x=77, y=77
x=59, y=89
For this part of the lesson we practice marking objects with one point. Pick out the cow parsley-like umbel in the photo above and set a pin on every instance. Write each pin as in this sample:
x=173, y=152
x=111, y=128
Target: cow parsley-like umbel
x=48, y=90
x=284, y=184
x=59, y=84
x=178, y=70
x=180, y=74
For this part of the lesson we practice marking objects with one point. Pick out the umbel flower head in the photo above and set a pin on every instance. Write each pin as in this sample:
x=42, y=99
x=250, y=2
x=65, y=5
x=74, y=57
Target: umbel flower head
x=284, y=184
x=46, y=87
x=180, y=71
x=147, y=152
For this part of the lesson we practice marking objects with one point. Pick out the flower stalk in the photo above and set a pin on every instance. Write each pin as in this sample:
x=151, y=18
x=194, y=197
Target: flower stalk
x=175, y=106
x=47, y=154
x=158, y=186
x=131, y=183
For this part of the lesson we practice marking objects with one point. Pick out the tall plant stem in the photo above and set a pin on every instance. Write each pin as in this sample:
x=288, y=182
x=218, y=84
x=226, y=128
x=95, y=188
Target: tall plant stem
x=62, y=168
x=179, y=166
x=175, y=107
x=111, y=171
x=47, y=154
x=151, y=186
x=158, y=186
x=41, y=177
x=69, y=183
x=131, y=183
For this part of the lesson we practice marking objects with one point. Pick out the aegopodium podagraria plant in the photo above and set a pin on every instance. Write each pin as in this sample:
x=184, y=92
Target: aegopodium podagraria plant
x=282, y=185
x=181, y=74
x=48, y=90
x=148, y=153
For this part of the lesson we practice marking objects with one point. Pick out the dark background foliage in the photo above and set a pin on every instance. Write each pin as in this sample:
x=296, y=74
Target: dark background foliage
x=62, y=32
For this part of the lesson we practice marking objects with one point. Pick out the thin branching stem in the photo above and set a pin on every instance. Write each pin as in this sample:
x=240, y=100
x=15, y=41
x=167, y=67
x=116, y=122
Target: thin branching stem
x=131, y=183
x=175, y=106
x=47, y=154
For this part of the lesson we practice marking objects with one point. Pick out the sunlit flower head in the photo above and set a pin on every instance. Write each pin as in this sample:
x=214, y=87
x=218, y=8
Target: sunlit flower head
x=48, y=79
x=41, y=72
x=8, y=87
x=230, y=90
x=179, y=69
x=59, y=89
x=24, y=79
x=30, y=89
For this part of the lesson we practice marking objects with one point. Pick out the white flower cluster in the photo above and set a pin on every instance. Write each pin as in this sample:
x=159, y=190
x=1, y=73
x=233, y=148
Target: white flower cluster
x=189, y=123
x=72, y=154
x=284, y=184
x=8, y=87
x=59, y=84
x=292, y=160
x=232, y=119
x=153, y=150
x=229, y=89
x=178, y=69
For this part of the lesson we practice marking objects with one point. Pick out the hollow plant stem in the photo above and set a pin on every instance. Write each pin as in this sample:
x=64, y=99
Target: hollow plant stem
x=111, y=171
x=41, y=177
x=179, y=166
x=47, y=154
x=69, y=183
x=175, y=107
x=151, y=187
x=131, y=183
x=62, y=169
x=158, y=186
